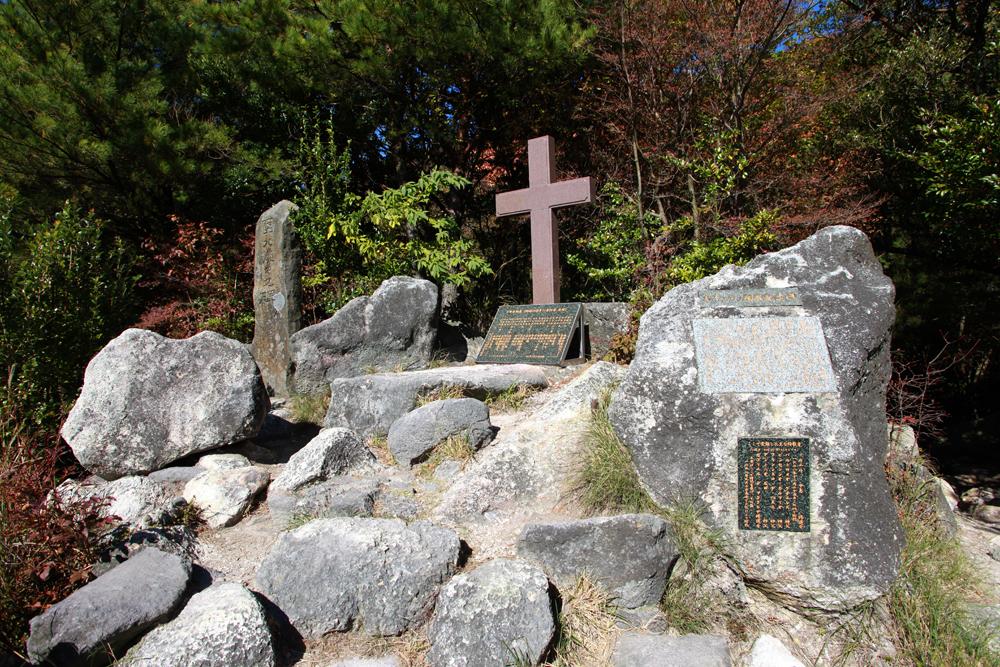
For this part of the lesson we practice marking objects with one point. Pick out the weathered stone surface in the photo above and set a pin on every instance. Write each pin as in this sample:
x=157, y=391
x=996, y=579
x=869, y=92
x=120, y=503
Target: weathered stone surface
x=498, y=614
x=396, y=326
x=768, y=651
x=370, y=404
x=629, y=555
x=576, y=398
x=122, y=545
x=175, y=474
x=379, y=575
x=338, y=496
x=149, y=400
x=137, y=501
x=222, y=626
x=641, y=650
x=110, y=611
x=224, y=495
x=415, y=434
x=277, y=294
x=684, y=439
x=334, y=451
x=604, y=321
x=223, y=462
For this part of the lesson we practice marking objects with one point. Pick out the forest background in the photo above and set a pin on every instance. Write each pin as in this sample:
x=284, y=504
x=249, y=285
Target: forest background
x=141, y=139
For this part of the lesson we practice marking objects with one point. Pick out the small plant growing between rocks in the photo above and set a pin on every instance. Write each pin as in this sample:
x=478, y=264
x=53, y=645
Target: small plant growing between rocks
x=587, y=626
x=379, y=446
x=299, y=519
x=441, y=393
x=511, y=399
x=454, y=448
x=310, y=408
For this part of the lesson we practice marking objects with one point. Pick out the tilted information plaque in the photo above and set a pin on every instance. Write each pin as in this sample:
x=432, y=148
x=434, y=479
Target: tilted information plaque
x=531, y=334
x=774, y=484
x=746, y=298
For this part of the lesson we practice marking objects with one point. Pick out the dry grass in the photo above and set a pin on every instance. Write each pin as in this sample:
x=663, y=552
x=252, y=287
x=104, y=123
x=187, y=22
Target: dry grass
x=511, y=399
x=411, y=648
x=587, y=629
x=309, y=408
x=379, y=445
x=454, y=448
x=439, y=394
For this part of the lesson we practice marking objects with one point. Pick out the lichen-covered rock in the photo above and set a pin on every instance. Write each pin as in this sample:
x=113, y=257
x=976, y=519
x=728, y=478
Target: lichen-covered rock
x=222, y=626
x=605, y=321
x=110, y=611
x=334, y=497
x=641, y=650
x=334, y=451
x=369, y=405
x=685, y=404
x=149, y=400
x=379, y=575
x=498, y=614
x=395, y=326
x=415, y=434
x=224, y=495
x=223, y=462
x=629, y=555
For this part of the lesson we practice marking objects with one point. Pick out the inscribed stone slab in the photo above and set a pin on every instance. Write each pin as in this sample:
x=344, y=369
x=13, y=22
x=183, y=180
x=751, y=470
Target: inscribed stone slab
x=762, y=355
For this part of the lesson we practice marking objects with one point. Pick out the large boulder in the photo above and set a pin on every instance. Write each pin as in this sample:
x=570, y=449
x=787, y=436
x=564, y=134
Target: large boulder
x=414, y=435
x=369, y=405
x=334, y=451
x=629, y=555
x=395, y=327
x=498, y=614
x=379, y=575
x=149, y=400
x=111, y=611
x=789, y=377
x=222, y=626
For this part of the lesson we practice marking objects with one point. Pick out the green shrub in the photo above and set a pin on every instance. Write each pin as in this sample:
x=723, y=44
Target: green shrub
x=703, y=258
x=65, y=289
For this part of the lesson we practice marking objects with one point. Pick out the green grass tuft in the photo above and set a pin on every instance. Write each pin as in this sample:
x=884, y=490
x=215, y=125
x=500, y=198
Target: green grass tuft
x=455, y=448
x=310, y=408
x=510, y=399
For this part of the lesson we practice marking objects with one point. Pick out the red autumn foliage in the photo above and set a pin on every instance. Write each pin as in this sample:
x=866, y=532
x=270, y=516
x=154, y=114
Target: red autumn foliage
x=198, y=280
x=47, y=546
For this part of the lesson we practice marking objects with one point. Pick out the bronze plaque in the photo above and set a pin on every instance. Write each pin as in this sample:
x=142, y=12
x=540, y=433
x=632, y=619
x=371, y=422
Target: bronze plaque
x=747, y=298
x=531, y=334
x=774, y=484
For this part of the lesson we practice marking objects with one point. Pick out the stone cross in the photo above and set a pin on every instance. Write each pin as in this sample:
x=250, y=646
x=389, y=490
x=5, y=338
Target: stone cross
x=277, y=295
x=539, y=198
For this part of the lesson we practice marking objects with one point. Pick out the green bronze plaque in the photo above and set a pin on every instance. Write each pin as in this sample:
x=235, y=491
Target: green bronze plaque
x=774, y=484
x=531, y=334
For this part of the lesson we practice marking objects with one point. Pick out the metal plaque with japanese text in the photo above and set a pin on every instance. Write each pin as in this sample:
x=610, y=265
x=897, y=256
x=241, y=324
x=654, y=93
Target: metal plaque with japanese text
x=774, y=484
x=531, y=334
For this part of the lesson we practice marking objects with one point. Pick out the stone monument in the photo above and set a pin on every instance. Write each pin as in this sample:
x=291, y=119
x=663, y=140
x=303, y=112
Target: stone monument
x=277, y=295
x=760, y=393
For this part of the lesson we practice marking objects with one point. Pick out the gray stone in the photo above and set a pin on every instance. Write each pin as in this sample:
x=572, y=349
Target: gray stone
x=684, y=440
x=649, y=618
x=398, y=505
x=576, y=398
x=498, y=614
x=370, y=404
x=994, y=548
x=277, y=294
x=378, y=575
x=122, y=545
x=604, y=322
x=336, y=497
x=136, y=501
x=175, y=474
x=629, y=556
x=334, y=451
x=768, y=651
x=222, y=626
x=149, y=400
x=111, y=611
x=642, y=650
x=415, y=434
x=385, y=661
x=223, y=462
x=224, y=495
x=395, y=327
x=766, y=355
x=447, y=471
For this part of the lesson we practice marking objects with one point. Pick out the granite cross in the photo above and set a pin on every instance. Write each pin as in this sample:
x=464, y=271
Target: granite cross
x=538, y=199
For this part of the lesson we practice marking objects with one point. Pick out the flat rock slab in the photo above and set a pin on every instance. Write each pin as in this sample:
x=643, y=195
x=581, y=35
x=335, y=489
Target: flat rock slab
x=415, y=434
x=498, y=614
x=642, y=650
x=111, y=610
x=395, y=327
x=378, y=575
x=149, y=400
x=334, y=451
x=370, y=404
x=222, y=626
x=629, y=556
x=734, y=405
